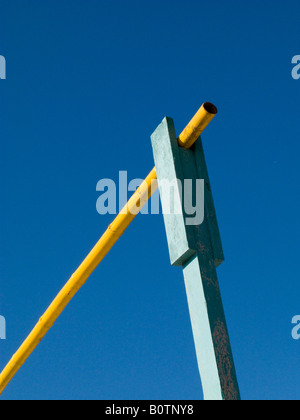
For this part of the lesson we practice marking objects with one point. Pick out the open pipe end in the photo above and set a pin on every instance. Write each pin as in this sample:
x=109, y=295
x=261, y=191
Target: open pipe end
x=197, y=125
x=210, y=108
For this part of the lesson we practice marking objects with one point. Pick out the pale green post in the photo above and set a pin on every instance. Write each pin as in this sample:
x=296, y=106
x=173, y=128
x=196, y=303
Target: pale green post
x=198, y=249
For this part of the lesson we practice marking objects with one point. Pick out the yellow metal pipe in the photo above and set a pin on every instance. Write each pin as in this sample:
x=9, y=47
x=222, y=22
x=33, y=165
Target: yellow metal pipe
x=107, y=241
x=197, y=125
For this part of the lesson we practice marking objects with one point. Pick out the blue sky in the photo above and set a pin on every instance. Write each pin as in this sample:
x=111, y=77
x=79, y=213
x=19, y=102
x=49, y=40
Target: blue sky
x=87, y=84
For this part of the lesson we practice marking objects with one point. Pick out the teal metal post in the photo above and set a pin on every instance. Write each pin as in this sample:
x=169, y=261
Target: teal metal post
x=198, y=249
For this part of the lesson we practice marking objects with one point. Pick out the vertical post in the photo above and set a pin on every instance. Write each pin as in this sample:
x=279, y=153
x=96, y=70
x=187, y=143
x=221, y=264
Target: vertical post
x=198, y=249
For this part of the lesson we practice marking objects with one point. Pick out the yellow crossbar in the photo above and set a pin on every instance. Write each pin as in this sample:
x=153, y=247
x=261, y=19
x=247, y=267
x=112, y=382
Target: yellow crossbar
x=186, y=139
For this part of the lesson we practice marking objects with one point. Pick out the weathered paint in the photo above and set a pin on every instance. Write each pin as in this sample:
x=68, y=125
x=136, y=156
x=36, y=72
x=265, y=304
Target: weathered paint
x=199, y=250
x=209, y=204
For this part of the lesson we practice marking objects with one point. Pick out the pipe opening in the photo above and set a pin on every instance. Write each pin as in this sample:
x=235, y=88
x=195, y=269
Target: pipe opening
x=210, y=108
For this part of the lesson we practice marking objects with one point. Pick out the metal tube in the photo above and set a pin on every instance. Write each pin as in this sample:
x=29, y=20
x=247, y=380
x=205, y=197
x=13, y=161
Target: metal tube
x=197, y=125
x=107, y=241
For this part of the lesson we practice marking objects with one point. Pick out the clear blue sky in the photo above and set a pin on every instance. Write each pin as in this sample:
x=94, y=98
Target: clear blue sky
x=87, y=84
